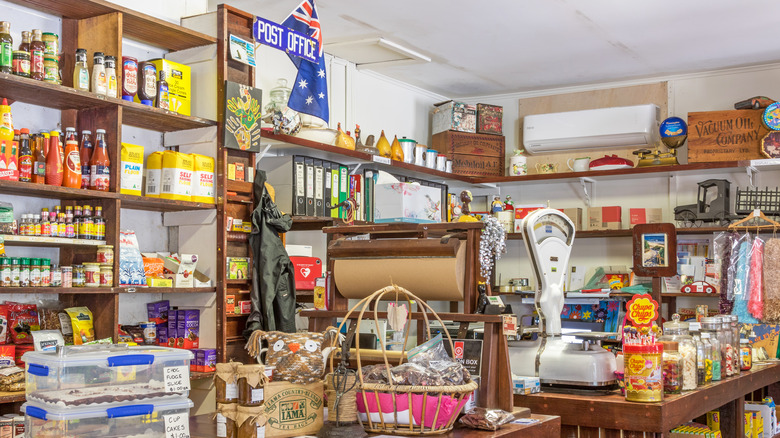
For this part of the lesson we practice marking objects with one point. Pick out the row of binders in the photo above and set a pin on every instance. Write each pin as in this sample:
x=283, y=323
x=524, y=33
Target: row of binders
x=307, y=186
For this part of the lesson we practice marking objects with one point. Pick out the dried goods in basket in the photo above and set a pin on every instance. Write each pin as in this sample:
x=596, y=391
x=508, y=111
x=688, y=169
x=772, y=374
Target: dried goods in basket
x=389, y=403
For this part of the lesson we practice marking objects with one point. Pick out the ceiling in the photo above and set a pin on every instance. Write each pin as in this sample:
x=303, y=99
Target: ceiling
x=480, y=48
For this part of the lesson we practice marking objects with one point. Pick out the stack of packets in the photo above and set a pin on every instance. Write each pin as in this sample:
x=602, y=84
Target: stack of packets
x=525, y=385
x=694, y=430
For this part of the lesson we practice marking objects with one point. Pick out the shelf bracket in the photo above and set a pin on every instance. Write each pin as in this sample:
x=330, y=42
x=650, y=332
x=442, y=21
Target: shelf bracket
x=751, y=172
x=584, y=181
x=354, y=171
x=262, y=154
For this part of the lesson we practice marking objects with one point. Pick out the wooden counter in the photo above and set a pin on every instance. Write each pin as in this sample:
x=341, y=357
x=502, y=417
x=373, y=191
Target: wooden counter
x=607, y=416
x=203, y=426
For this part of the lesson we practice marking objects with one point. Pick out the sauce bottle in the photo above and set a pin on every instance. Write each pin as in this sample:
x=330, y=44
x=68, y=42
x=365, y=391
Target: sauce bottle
x=6, y=123
x=85, y=154
x=39, y=155
x=99, y=164
x=147, y=90
x=98, y=74
x=110, y=64
x=81, y=71
x=25, y=156
x=6, y=47
x=99, y=225
x=162, y=92
x=25, y=45
x=54, y=160
x=72, y=176
x=37, y=49
x=129, y=78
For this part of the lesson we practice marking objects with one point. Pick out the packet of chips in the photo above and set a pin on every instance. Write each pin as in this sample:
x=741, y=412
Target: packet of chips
x=82, y=323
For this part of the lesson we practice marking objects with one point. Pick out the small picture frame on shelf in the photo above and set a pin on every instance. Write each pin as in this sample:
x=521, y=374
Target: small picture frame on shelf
x=242, y=117
x=654, y=250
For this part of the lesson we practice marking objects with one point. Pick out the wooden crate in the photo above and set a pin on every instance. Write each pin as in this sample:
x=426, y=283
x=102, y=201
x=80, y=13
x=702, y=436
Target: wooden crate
x=472, y=154
x=725, y=135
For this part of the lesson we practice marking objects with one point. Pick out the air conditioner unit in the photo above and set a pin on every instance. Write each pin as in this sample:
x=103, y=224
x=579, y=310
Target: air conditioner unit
x=591, y=129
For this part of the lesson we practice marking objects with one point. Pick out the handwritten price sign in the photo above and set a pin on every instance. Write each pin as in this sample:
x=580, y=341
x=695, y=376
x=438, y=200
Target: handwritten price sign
x=177, y=426
x=177, y=379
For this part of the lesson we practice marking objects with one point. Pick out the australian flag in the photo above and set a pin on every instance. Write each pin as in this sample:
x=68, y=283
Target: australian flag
x=310, y=93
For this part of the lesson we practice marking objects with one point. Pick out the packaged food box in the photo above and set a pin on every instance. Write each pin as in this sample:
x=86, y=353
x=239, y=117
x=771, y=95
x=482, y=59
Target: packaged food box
x=80, y=376
x=179, y=78
x=157, y=312
x=644, y=216
x=150, y=419
x=245, y=307
x=230, y=304
x=132, y=171
x=173, y=327
x=209, y=360
x=604, y=218
x=188, y=333
x=154, y=174
x=176, y=174
x=203, y=188
x=196, y=364
x=184, y=273
x=237, y=268
x=162, y=335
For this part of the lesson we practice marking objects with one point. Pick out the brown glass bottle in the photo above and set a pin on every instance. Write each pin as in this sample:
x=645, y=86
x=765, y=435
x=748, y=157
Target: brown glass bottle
x=39, y=167
x=6, y=47
x=25, y=45
x=37, y=49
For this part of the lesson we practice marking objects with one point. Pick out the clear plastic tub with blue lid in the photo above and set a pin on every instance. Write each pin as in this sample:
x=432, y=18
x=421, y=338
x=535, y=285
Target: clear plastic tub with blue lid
x=97, y=375
x=148, y=419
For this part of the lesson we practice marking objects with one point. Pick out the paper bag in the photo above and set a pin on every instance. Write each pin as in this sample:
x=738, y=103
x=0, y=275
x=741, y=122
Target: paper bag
x=293, y=410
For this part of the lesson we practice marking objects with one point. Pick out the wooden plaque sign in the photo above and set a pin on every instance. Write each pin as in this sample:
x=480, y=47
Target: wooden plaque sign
x=725, y=135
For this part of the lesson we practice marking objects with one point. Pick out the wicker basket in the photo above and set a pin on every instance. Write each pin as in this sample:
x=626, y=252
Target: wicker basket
x=405, y=409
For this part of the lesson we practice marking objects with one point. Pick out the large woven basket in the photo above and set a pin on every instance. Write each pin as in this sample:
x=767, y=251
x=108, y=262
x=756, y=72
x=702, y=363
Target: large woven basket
x=405, y=409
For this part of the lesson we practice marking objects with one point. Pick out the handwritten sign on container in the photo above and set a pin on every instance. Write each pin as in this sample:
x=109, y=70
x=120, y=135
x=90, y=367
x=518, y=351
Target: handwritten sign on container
x=725, y=135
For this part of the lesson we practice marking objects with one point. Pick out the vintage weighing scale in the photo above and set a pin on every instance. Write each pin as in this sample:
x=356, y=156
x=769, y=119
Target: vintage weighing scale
x=548, y=235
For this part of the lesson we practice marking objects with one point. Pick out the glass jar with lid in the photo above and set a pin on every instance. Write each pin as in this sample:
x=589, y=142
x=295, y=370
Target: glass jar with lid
x=677, y=331
x=727, y=346
x=711, y=326
x=705, y=375
x=672, y=368
x=734, y=321
x=745, y=355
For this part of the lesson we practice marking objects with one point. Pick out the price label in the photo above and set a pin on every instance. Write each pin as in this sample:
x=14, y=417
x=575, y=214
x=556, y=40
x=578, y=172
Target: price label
x=380, y=159
x=257, y=395
x=231, y=391
x=177, y=379
x=177, y=426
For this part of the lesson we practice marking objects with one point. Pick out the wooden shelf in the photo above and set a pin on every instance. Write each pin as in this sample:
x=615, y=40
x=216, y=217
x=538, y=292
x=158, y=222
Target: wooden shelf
x=294, y=145
x=690, y=295
x=159, y=204
x=136, y=25
x=197, y=375
x=51, y=192
x=48, y=242
x=238, y=186
x=628, y=233
x=57, y=290
x=457, y=317
x=236, y=315
x=241, y=281
x=65, y=98
x=165, y=290
x=12, y=397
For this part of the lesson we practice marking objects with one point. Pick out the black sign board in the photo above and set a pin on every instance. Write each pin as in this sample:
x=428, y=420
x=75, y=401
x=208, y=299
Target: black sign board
x=468, y=352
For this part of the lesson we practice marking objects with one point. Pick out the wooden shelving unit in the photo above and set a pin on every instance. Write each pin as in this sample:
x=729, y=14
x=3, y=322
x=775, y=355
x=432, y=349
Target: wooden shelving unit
x=48, y=242
x=628, y=233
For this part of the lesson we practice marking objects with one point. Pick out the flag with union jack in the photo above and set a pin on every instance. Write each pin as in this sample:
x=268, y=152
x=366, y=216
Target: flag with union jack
x=310, y=93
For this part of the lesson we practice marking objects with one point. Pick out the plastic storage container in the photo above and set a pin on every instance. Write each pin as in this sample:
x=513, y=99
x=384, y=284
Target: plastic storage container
x=97, y=375
x=148, y=420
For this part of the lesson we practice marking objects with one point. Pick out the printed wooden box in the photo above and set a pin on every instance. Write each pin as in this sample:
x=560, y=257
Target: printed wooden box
x=472, y=154
x=725, y=135
x=490, y=119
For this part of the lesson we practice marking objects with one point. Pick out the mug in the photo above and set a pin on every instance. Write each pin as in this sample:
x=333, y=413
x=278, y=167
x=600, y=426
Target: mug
x=580, y=164
x=546, y=168
x=518, y=165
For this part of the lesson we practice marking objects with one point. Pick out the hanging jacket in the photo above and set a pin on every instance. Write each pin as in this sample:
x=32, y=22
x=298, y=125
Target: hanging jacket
x=273, y=281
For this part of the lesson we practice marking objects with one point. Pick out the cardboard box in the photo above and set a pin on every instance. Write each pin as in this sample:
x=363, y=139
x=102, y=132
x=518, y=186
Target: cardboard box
x=521, y=211
x=230, y=304
x=472, y=154
x=179, y=80
x=307, y=269
x=725, y=135
x=188, y=332
x=159, y=282
x=575, y=215
x=184, y=273
x=157, y=312
x=605, y=218
x=506, y=219
x=196, y=364
x=298, y=250
x=490, y=119
x=645, y=216
x=454, y=116
x=173, y=327
x=237, y=268
x=244, y=307
x=406, y=202
x=162, y=335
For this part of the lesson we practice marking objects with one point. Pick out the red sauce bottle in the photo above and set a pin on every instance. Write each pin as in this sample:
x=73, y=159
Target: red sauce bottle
x=85, y=154
x=72, y=176
x=25, y=156
x=129, y=78
x=147, y=84
x=37, y=48
x=99, y=164
x=54, y=161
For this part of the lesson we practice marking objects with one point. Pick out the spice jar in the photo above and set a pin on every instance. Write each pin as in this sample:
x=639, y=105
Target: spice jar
x=226, y=420
x=106, y=276
x=250, y=384
x=21, y=63
x=56, y=276
x=35, y=272
x=250, y=421
x=676, y=331
x=24, y=272
x=672, y=368
x=91, y=274
x=643, y=374
x=745, y=355
x=5, y=272
x=15, y=272
x=225, y=382
x=45, y=272
x=66, y=273
x=78, y=276
x=105, y=254
x=51, y=69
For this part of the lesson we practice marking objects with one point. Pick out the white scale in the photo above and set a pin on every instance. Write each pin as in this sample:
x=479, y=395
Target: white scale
x=548, y=235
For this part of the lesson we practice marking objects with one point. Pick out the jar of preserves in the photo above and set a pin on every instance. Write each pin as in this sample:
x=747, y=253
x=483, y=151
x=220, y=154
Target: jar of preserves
x=745, y=355
x=676, y=331
x=226, y=420
x=78, y=276
x=643, y=374
x=247, y=420
x=21, y=63
x=37, y=49
x=51, y=44
x=225, y=382
x=711, y=325
x=92, y=274
x=105, y=254
x=250, y=384
x=106, y=276
x=66, y=273
x=672, y=368
x=51, y=69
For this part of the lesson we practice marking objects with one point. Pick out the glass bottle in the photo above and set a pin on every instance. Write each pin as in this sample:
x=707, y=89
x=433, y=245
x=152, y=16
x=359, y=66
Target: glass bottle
x=81, y=71
x=72, y=169
x=727, y=346
x=24, y=272
x=111, y=84
x=45, y=224
x=162, y=100
x=24, y=46
x=25, y=156
x=69, y=230
x=99, y=224
x=5, y=272
x=99, y=164
x=39, y=166
x=85, y=154
x=98, y=74
x=6, y=48
x=734, y=321
x=62, y=227
x=77, y=222
x=36, y=226
x=87, y=231
x=37, y=50
x=711, y=325
x=707, y=354
x=745, y=355
x=54, y=168
x=672, y=368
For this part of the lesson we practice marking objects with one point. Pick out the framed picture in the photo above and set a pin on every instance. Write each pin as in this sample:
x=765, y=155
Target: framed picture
x=655, y=247
x=242, y=117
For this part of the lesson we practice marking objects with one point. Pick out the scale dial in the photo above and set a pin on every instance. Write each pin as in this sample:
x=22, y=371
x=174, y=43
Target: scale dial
x=551, y=225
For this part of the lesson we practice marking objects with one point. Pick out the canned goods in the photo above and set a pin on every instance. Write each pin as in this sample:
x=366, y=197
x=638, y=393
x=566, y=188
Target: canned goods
x=106, y=276
x=66, y=276
x=105, y=254
x=643, y=372
x=150, y=332
x=91, y=274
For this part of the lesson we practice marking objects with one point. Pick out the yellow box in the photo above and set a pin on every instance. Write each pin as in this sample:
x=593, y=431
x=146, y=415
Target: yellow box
x=238, y=225
x=246, y=227
x=159, y=282
x=231, y=171
x=177, y=171
x=132, y=169
x=154, y=174
x=179, y=81
x=203, y=179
